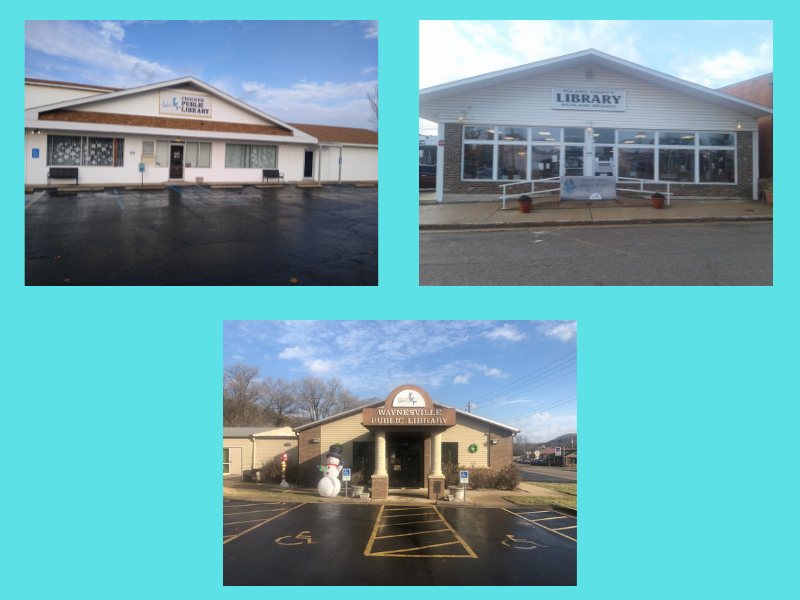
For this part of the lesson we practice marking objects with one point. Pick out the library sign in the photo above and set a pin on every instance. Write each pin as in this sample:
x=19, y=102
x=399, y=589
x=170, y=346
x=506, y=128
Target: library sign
x=408, y=405
x=184, y=105
x=589, y=99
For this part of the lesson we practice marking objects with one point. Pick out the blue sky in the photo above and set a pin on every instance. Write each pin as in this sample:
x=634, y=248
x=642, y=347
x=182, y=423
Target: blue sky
x=314, y=72
x=711, y=53
x=455, y=361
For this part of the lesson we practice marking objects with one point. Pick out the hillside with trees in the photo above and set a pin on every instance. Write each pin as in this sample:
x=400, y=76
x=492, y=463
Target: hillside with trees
x=522, y=445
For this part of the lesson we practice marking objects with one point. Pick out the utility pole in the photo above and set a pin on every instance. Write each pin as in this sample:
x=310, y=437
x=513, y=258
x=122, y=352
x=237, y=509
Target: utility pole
x=469, y=405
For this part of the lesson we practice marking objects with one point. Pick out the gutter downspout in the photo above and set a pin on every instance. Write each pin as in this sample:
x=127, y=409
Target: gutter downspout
x=319, y=170
x=253, y=437
x=340, y=165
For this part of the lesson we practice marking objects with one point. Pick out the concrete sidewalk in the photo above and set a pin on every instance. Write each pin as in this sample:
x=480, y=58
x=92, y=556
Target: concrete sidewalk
x=483, y=215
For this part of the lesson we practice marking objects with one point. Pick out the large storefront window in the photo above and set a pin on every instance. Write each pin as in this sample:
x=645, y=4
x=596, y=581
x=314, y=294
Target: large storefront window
x=717, y=139
x=676, y=165
x=545, y=134
x=512, y=162
x=573, y=160
x=513, y=133
x=544, y=161
x=636, y=137
x=637, y=163
x=198, y=155
x=67, y=150
x=479, y=133
x=717, y=166
x=672, y=138
x=478, y=161
x=604, y=136
x=240, y=156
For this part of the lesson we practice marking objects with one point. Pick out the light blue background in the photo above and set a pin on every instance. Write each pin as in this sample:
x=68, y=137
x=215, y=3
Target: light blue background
x=112, y=395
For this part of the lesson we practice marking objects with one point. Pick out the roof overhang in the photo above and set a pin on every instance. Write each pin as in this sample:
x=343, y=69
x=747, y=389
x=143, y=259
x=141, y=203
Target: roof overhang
x=584, y=57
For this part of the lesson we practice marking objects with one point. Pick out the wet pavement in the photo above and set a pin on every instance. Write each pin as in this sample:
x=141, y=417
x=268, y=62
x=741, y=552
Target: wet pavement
x=294, y=543
x=529, y=476
x=192, y=235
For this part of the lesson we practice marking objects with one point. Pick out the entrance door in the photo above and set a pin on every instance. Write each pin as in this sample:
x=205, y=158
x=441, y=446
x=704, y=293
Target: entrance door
x=176, y=162
x=405, y=462
x=309, y=166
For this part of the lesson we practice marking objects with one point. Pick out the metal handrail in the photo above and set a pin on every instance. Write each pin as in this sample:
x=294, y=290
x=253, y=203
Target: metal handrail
x=641, y=187
x=533, y=188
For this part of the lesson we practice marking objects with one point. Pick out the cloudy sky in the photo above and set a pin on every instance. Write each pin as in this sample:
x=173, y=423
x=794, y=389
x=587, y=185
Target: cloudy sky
x=711, y=53
x=523, y=373
x=314, y=72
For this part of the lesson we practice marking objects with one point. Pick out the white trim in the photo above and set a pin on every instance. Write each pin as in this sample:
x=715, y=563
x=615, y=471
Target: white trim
x=71, y=86
x=466, y=414
x=756, y=174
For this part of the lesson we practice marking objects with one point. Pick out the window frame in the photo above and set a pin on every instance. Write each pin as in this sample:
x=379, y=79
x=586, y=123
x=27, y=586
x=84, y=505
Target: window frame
x=226, y=464
x=84, y=153
x=277, y=155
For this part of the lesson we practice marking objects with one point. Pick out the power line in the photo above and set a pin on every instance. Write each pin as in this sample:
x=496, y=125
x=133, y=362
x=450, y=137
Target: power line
x=549, y=404
x=525, y=388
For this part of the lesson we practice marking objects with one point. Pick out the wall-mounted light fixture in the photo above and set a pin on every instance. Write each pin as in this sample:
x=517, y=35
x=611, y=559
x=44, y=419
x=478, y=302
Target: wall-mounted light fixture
x=315, y=440
x=495, y=441
x=738, y=124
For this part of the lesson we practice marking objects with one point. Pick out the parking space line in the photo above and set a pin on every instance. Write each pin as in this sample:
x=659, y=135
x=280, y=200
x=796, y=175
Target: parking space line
x=562, y=528
x=240, y=522
x=35, y=199
x=247, y=512
x=381, y=537
x=368, y=549
x=410, y=523
x=414, y=549
x=404, y=508
x=118, y=200
x=408, y=515
x=256, y=504
x=187, y=197
x=458, y=537
x=511, y=512
x=547, y=519
x=535, y=512
x=262, y=522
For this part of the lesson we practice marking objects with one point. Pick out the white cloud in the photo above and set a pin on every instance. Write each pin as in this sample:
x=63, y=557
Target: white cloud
x=237, y=357
x=490, y=372
x=542, y=427
x=290, y=353
x=319, y=366
x=111, y=29
x=266, y=357
x=370, y=29
x=369, y=70
x=506, y=332
x=564, y=331
x=728, y=67
x=462, y=378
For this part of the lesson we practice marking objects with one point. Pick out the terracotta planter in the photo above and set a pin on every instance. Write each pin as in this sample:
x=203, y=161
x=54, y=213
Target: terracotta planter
x=199, y=180
x=769, y=197
x=525, y=206
x=658, y=202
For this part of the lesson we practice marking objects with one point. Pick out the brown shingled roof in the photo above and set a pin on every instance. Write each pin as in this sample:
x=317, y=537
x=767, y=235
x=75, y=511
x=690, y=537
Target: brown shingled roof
x=77, y=116
x=341, y=135
x=80, y=85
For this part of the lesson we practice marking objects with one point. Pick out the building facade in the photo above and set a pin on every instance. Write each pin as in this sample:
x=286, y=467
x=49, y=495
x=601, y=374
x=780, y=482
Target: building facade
x=178, y=131
x=759, y=90
x=402, y=442
x=591, y=114
x=246, y=448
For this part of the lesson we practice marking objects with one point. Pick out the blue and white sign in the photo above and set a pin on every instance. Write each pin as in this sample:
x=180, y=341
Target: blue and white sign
x=558, y=451
x=35, y=153
x=345, y=474
x=464, y=478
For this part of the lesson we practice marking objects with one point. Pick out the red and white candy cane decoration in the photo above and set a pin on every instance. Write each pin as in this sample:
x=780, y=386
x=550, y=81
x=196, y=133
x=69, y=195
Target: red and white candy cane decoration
x=284, y=457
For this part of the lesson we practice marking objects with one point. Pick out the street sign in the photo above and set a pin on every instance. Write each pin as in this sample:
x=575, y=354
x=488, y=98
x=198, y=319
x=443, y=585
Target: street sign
x=441, y=142
x=558, y=451
x=35, y=153
x=345, y=474
x=464, y=477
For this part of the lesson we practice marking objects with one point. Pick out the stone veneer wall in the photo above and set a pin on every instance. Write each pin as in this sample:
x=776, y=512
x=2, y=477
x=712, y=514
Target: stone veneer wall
x=454, y=185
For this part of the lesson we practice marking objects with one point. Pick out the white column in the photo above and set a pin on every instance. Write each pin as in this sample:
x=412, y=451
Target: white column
x=380, y=453
x=254, y=453
x=436, y=453
x=440, y=165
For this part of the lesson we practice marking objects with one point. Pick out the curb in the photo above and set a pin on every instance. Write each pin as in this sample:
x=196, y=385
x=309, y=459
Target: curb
x=566, y=223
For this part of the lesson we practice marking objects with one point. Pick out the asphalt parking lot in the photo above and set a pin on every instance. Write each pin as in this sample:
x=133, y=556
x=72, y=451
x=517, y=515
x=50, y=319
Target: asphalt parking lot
x=193, y=235
x=295, y=543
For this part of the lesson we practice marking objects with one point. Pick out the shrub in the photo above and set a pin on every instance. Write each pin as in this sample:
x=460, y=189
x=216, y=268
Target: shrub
x=272, y=471
x=481, y=477
x=507, y=478
x=524, y=199
x=450, y=472
x=357, y=478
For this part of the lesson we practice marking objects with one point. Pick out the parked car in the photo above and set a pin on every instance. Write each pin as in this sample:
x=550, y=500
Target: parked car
x=427, y=176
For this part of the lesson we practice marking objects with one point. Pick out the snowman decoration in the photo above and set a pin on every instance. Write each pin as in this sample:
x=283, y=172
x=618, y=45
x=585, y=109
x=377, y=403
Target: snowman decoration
x=330, y=485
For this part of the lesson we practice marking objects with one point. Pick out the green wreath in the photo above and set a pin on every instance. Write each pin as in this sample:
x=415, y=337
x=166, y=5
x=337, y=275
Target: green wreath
x=473, y=448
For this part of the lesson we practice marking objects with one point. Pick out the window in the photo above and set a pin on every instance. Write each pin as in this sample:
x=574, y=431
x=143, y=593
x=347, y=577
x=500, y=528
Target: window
x=364, y=458
x=478, y=161
x=604, y=136
x=636, y=163
x=573, y=160
x=636, y=137
x=95, y=152
x=575, y=135
x=190, y=159
x=198, y=155
x=717, y=139
x=204, y=155
x=148, y=148
x=512, y=162
x=676, y=165
x=671, y=138
x=717, y=166
x=226, y=463
x=479, y=133
x=513, y=133
x=450, y=453
x=544, y=161
x=238, y=156
x=162, y=154
x=545, y=134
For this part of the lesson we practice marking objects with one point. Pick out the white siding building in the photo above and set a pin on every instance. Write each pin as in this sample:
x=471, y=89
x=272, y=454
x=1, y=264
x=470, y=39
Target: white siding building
x=591, y=114
x=179, y=130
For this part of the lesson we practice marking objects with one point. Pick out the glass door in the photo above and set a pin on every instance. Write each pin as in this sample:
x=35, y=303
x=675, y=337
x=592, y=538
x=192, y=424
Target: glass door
x=573, y=160
x=308, y=168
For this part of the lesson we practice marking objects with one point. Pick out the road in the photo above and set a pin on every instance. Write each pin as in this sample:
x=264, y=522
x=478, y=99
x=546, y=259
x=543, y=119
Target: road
x=295, y=543
x=696, y=254
x=547, y=474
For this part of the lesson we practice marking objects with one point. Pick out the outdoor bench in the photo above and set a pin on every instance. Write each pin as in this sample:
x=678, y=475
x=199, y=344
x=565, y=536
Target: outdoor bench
x=62, y=173
x=271, y=173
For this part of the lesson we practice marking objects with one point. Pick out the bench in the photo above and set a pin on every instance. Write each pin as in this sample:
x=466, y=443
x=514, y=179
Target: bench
x=62, y=173
x=271, y=173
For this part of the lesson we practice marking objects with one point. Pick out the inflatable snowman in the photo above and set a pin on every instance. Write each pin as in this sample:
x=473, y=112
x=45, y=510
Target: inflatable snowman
x=330, y=485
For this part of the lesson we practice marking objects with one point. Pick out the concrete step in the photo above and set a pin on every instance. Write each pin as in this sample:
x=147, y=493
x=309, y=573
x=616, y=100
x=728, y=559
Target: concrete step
x=79, y=189
x=268, y=187
x=226, y=187
x=307, y=185
x=147, y=187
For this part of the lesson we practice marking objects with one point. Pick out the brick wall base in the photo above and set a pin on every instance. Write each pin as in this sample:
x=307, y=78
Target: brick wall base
x=380, y=487
x=436, y=487
x=309, y=456
x=454, y=185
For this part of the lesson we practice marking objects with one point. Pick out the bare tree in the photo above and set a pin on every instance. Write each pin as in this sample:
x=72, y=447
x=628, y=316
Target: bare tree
x=373, y=102
x=311, y=397
x=279, y=398
x=239, y=395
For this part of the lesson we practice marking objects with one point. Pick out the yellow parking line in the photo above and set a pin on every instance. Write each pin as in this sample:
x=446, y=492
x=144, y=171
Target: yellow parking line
x=260, y=524
x=458, y=537
x=562, y=528
x=239, y=522
x=409, y=515
x=34, y=200
x=415, y=549
x=415, y=533
x=256, y=504
x=247, y=512
x=542, y=526
x=403, y=508
x=535, y=512
x=410, y=522
x=374, y=533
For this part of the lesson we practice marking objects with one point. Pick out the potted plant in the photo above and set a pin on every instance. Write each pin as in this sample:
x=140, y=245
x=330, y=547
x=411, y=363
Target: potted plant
x=525, y=203
x=658, y=200
x=766, y=186
x=357, y=480
x=199, y=180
